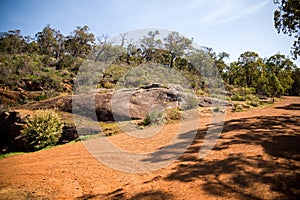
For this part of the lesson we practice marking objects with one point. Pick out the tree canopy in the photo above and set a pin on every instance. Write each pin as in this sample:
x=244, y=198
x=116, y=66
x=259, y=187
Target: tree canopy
x=51, y=59
x=287, y=21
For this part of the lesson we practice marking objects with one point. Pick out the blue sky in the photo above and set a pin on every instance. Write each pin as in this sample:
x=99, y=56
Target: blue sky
x=233, y=26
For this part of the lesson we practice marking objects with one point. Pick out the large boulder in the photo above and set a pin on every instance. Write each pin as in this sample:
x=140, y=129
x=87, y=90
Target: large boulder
x=125, y=104
x=138, y=103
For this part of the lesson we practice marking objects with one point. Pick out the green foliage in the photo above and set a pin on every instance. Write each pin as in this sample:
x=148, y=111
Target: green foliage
x=43, y=129
x=50, y=42
x=254, y=103
x=41, y=97
x=80, y=43
x=154, y=117
x=24, y=71
x=201, y=93
x=237, y=108
x=243, y=97
x=10, y=154
x=150, y=41
x=110, y=128
x=173, y=114
x=65, y=62
x=113, y=74
x=243, y=91
x=238, y=97
x=12, y=42
x=249, y=65
x=295, y=89
x=50, y=60
x=146, y=74
x=190, y=102
x=253, y=100
x=287, y=20
x=274, y=87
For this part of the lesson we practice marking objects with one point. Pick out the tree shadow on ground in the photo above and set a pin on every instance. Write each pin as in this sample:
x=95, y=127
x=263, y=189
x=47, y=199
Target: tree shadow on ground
x=294, y=106
x=114, y=195
x=149, y=195
x=119, y=194
x=238, y=169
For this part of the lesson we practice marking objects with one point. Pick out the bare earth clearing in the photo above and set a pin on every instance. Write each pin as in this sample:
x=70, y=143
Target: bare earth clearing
x=256, y=157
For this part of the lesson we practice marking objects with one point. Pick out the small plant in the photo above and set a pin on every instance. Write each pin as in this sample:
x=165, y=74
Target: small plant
x=253, y=100
x=43, y=129
x=201, y=93
x=237, y=107
x=190, y=102
x=255, y=103
x=41, y=97
x=173, y=114
x=10, y=154
x=237, y=97
x=110, y=128
x=154, y=117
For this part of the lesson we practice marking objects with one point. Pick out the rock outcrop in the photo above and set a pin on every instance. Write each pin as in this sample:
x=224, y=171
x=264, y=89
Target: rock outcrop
x=125, y=104
x=99, y=105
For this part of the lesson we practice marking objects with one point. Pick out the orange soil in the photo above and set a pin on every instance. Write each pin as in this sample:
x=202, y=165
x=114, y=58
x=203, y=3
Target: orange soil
x=256, y=157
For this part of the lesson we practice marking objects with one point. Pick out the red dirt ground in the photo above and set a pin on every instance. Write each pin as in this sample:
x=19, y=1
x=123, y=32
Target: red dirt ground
x=256, y=157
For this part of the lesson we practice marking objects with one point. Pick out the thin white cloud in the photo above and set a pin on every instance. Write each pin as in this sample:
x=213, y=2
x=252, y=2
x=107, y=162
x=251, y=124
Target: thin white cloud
x=226, y=11
x=218, y=11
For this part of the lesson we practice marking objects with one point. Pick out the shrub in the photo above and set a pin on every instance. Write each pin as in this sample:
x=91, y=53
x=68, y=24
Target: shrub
x=237, y=107
x=154, y=117
x=254, y=103
x=65, y=62
x=201, y=93
x=237, y=97
x=43, y=129
x=190, y=102
x=253, y=100
x=243, y=91
x=41, y=97
x=109, y=129
x=173, y=114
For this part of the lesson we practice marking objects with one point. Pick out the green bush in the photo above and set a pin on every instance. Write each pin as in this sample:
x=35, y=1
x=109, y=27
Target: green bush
x=243, y=91
x=190, y=102
x=254, y=103
x=154, y=117
x=41, y=97
x=173, y=114
x=253, y=100
x=237, y=97
x=65, y=62
x=237, y=108
x=110, y=128
x=43, y=129
x=201, y=93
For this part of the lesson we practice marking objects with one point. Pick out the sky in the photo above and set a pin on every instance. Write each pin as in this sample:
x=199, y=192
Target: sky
x=233, y=26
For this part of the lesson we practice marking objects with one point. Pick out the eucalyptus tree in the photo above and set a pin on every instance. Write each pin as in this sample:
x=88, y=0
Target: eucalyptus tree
x=287, y=21
x=50, y=42
x=177, y=45
x=250, y=63
x=80, y=42
x=12, y=42
x=282, y=68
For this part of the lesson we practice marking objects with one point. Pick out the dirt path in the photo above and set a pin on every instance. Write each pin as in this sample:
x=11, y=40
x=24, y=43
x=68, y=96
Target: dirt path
x=256, y=157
